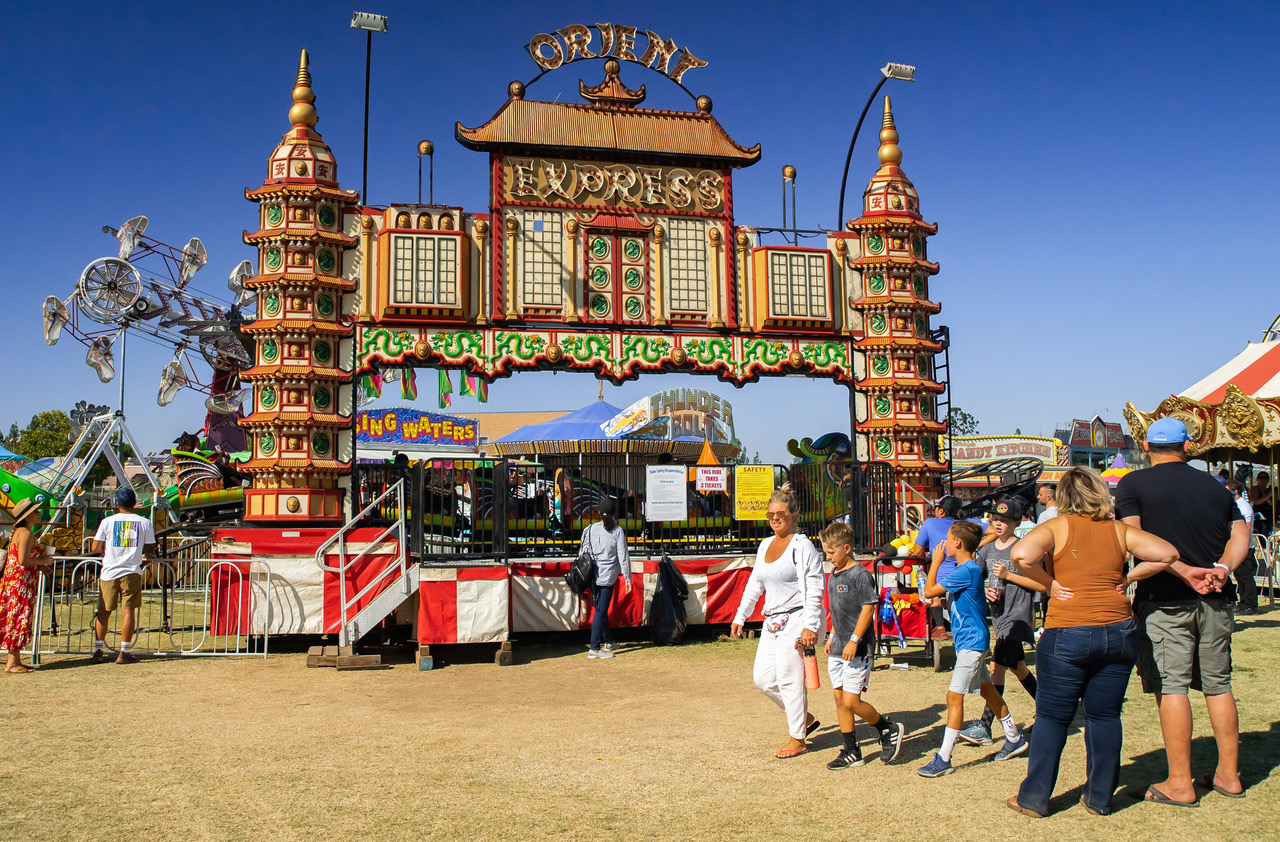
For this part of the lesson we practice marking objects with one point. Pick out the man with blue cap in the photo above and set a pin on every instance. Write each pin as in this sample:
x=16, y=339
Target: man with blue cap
x=1185, y=614
x=125, y=541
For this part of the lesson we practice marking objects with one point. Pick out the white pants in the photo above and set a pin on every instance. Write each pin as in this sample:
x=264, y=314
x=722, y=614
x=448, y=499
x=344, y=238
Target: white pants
x=779, y=673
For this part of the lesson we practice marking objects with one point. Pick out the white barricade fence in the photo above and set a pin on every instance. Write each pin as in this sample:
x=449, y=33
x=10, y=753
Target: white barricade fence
x=193, y=606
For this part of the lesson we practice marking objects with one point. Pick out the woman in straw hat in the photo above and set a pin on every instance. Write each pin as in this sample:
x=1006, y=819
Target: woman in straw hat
x=22, y=571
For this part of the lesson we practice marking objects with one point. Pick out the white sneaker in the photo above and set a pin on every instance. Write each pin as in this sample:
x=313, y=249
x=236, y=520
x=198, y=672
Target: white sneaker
x=593, y=653
x=604, y=653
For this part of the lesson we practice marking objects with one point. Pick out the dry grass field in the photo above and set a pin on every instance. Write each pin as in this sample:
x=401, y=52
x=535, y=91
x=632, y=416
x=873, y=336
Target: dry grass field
x=658, y=743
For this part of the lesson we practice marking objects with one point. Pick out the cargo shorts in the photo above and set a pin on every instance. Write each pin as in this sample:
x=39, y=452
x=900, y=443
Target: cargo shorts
x=1185, y=646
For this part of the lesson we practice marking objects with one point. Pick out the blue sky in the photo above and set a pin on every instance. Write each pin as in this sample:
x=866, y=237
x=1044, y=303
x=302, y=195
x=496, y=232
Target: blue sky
x=1103, y=175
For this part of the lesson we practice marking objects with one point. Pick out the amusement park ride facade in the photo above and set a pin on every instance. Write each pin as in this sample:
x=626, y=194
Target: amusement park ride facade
x=609, y=245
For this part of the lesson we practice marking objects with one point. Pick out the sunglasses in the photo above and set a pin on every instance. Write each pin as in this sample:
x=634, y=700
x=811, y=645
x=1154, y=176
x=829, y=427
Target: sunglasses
x=776, y=515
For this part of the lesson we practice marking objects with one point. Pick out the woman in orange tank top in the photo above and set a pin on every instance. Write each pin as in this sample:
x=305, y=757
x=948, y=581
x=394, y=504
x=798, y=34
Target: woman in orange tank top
x=1090, y=641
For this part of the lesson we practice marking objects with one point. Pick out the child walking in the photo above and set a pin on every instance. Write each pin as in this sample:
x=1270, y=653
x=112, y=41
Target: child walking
x=852, y=595
x=972, y=637
x=1011, y=601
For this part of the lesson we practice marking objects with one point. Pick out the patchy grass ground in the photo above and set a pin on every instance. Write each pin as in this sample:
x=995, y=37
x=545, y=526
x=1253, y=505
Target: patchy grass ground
x=665, y=743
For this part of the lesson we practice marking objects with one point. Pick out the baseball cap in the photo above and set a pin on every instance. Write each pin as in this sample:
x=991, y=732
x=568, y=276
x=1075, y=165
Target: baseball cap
x=125, y=498
x=949, y=504
x=1010, y=509
x=1167, y=431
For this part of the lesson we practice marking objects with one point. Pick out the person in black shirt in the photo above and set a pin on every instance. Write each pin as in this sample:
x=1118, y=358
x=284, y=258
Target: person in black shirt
x=1185, y=616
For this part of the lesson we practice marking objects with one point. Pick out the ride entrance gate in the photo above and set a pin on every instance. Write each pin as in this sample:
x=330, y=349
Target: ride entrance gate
x=608, y=245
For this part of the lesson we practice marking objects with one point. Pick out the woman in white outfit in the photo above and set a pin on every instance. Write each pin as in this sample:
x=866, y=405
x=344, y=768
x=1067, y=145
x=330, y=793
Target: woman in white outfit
x=788, y=572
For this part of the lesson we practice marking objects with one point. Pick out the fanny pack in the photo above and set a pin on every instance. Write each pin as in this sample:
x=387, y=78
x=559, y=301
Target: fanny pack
x=776, y=622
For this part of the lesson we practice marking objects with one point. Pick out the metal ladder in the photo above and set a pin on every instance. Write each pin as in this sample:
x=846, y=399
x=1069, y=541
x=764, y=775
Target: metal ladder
x=942, y=374
x=397, y=581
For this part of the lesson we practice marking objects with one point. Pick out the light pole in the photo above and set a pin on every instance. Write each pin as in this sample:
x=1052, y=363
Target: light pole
x=905, y=73
x=370, y=23
x=426, y=147
x=902, y=72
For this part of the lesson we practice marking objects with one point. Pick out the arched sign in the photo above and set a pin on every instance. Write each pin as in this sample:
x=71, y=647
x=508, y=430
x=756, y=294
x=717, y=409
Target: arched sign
x=617, y=41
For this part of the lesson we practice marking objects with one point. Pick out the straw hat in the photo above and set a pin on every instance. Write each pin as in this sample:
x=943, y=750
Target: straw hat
x=23, y=510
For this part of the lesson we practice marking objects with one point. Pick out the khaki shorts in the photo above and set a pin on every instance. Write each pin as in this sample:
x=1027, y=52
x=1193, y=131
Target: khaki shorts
x=1185, y=646
x=111, y=590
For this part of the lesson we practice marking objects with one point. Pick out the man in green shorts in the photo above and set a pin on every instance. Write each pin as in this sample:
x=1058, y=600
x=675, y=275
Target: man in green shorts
x=1185, y=616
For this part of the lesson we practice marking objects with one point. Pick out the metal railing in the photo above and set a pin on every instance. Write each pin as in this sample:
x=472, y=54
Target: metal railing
x=189, y=607
x=390, y=504
x=491, y=511
x=1264, y=550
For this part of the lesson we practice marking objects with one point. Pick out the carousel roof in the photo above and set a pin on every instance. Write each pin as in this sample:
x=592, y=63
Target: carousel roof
x=1255, y=371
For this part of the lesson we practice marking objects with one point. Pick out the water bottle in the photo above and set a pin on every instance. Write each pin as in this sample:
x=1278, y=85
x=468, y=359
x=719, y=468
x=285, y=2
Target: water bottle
x=811, y=668
x=995, y=582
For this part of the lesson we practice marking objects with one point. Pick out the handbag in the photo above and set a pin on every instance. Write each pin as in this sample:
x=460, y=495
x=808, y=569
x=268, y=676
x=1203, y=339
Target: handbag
x=582, y=573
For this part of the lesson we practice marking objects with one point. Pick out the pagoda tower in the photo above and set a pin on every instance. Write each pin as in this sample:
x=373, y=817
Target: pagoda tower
x=299, y=432
x=898, y=414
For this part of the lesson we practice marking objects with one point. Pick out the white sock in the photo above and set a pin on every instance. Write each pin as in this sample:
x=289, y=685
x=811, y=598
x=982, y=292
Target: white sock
x=126, y=645
x=948, y=743
x=1010, y=729
x=99, y=645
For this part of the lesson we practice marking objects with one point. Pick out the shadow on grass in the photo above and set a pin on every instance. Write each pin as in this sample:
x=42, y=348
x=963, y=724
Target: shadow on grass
x=1259, y=756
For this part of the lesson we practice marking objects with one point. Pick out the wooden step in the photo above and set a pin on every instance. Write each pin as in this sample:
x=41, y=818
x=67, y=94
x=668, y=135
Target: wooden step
x=322, y=656
x=361, y=662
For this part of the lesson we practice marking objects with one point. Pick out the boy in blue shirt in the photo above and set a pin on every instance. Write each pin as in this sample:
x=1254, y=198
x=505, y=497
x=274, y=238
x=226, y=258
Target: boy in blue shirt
x=968, y=597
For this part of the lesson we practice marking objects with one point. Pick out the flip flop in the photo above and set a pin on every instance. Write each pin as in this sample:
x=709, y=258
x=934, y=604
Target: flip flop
x=788, y=753
x=1155, y=796
x=1206, y=781
x=22, y=670
x=812, y=726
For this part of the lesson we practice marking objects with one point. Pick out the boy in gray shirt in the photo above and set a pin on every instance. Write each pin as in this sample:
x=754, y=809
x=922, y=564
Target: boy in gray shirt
x=1011, y=612
x=853, y=598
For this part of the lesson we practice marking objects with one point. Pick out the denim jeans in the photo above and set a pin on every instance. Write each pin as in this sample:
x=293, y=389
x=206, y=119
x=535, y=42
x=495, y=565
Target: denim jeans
x=1089, y=664
x=600, y=621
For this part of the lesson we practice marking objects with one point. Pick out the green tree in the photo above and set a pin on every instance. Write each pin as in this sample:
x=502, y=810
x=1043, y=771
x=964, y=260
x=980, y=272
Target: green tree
x=961, y=423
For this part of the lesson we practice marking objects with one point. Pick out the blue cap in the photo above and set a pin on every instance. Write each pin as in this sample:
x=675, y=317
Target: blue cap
x=126, y=499
x=1167, y=431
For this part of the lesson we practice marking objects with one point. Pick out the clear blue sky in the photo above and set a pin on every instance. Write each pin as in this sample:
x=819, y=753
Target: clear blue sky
x=1103, y=175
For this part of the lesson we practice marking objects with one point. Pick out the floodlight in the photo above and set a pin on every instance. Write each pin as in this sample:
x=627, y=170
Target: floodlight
x=369, y=21
x=901, y=72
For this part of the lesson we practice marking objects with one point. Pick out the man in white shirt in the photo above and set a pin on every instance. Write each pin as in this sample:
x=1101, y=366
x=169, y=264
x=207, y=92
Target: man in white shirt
x=125, y=540
x=1046, y=498
x=1246, y=583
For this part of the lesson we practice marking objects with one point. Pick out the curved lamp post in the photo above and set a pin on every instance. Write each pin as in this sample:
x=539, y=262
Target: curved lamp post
x=902, y=72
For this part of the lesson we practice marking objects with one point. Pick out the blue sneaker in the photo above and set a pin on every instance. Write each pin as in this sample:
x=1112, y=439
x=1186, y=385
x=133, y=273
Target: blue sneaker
x=936, y=768
x=975, y=735
x=1012, y=748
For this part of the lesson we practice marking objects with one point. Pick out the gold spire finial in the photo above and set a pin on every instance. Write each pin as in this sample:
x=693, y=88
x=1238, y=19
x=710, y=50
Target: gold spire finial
x=890, y=153
x=303, y=111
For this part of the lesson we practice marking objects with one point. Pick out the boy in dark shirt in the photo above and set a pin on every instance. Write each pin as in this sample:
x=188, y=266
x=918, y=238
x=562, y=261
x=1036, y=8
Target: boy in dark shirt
x=1011, y=607
x=852, y=596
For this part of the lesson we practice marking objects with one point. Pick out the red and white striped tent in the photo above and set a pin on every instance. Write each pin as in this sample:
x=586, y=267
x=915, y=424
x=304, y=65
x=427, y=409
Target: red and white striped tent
x=1255, y=371
x=1232, y=413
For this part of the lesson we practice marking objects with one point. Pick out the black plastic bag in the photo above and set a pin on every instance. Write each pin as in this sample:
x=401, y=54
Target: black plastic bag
x=667, y=614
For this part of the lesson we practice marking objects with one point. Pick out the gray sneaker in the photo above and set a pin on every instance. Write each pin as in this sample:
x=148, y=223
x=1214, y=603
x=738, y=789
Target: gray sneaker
x=604, y=653
x=610, y=646
x=976, y=735
x=1012, y=748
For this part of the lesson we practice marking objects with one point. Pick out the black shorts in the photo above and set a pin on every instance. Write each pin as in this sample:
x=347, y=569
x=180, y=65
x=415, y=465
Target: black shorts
x=1008, y=653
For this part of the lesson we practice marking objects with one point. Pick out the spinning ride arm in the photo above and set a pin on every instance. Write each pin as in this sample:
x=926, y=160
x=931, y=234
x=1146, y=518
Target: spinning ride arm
x=1003, y=477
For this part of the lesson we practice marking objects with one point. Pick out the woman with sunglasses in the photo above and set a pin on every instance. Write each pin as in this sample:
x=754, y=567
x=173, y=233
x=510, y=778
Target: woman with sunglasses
x=788, y=573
